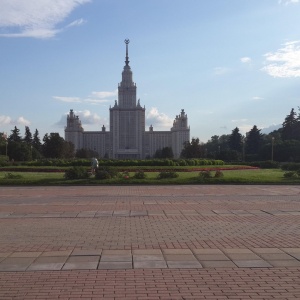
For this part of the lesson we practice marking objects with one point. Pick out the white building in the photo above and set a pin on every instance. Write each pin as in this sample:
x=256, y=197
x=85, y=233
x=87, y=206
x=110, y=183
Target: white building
x=127, y=138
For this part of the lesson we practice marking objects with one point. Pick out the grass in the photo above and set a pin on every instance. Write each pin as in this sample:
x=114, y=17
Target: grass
x=258, y=176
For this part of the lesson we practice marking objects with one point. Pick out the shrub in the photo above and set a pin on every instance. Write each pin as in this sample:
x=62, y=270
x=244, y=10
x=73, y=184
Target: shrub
x=290, y=174
x=102, y=174
x=105, y=173
x=12, y=176
x=205, y=174
x=290, y=166
x=170, y=174
x=125, y=175
x=267, y=164
x=219, y=174
x=139, y=175
x=77, y=173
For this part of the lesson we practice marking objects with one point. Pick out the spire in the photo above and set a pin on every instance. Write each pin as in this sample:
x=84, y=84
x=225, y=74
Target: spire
x=127, y=41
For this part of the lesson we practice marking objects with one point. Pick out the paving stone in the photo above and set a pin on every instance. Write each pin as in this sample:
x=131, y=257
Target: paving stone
x=237, y=251
x=121, y=213
x=252, y=263
x=86, y=252
x=178, y=257
x=267, y=250
x=138, y=213
x=116, y=258
x=104, y=213
x=117, y=252
x=275, y=256
x=25, y=254
x=285, y=263
x=207, y=251
x=45, y=267
x=145, y=257
x=80, y=265
x=57, y=253
x=155, y=213
x=51, y=215
x=211, y=257
x=151, y=264
x=51, y=259
x=189, y=212
x=217, y=264
x=291, y=250
x=15, y=263
x=81, y=258
x=184, y=264
x=147, y=252
x=114, y=265
x=5, y=254
x=243, y=256
x=177, y=251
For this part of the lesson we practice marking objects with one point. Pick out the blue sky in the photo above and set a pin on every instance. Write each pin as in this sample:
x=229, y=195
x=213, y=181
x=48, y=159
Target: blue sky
x=228, y=63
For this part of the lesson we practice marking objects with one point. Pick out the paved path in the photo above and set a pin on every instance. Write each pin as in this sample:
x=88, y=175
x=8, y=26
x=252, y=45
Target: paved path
x=150, y=242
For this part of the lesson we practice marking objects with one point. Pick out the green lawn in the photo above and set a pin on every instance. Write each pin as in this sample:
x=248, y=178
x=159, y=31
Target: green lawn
x=258, y=176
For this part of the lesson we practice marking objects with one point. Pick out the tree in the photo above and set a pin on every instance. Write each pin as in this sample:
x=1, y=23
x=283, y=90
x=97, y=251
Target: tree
x=36, y=142
x=15, y=135
x=235, y=140
x=165, y=152
x=28, y=136
x=289, y=127
x=86, y=153
x=192, y=149
x=19, y=151
x=56, y=147
x=253, y=141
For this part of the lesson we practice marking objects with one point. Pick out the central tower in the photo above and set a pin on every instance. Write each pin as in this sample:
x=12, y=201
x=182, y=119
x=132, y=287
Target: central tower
x=127, y=88
x=127, y=119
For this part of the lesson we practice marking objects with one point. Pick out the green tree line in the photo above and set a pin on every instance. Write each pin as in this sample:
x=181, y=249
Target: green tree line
x=30, y=146
x=280, y=145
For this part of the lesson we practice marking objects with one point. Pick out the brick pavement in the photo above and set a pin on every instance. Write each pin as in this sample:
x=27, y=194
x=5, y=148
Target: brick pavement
x=150, y=242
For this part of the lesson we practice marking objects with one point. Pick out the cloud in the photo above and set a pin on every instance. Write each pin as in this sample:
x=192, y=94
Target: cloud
x=239, y=120
x=285, y=62
x=269, y=129
x=6, y=120
x=93, y=98
x=36, y=18
x=287, y=2
x=78, y=22
x=245, y=128
x=86, y=117
x=257, y=98
x=22, y=121
x=96, y=101
x=157, y=119
x=67, y=99
x=102, y=95
x=245, y=60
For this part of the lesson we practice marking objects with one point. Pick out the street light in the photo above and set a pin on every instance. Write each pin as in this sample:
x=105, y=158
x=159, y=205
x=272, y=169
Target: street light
x=243, y=148
x=272, y=151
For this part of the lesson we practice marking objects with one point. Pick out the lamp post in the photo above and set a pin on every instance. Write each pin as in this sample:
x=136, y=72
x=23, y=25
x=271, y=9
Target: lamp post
x=272, y=150
x=6, y=143
x=243, y=149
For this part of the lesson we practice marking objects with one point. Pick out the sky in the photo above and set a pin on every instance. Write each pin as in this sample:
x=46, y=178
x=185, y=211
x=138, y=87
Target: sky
x=227, y=63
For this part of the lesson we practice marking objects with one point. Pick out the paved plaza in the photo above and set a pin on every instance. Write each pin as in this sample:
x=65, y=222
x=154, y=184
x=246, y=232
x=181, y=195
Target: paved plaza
x=150, y=242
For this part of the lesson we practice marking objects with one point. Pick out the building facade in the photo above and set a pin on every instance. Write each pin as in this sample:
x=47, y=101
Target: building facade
x=127, y=137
